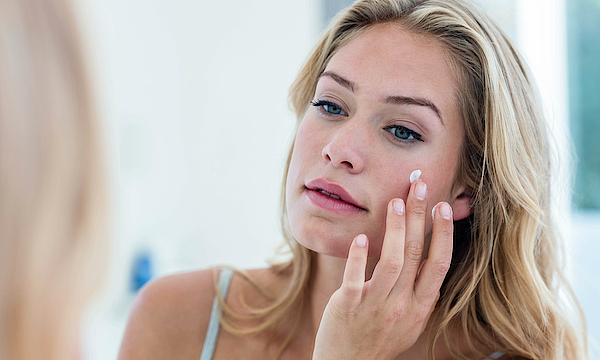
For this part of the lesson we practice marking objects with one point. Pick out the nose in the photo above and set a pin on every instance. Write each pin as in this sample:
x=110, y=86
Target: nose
x=347, y=147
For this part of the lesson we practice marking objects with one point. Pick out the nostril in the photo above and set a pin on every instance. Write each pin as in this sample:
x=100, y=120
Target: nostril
x=341, y=156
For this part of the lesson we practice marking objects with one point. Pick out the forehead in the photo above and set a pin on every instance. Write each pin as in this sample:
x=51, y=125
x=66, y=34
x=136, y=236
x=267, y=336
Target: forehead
x=386, y=59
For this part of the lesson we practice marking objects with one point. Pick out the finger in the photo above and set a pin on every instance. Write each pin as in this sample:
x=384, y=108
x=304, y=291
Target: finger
x=354, y=273
x=440, y=255
x=431, y=309
x=416, y=209
x=390, y=263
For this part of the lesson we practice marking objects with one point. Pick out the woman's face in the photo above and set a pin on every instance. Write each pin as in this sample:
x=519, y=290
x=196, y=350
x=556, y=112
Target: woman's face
x=385, y=105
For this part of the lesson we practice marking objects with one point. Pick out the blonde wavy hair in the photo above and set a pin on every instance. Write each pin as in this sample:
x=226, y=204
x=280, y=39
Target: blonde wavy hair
x=505, y=289
x=52, y=184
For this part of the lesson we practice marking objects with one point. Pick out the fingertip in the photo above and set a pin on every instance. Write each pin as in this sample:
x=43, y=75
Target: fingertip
x=361, y=240
x=420, y=190
x=445, y=210
x=398, y=206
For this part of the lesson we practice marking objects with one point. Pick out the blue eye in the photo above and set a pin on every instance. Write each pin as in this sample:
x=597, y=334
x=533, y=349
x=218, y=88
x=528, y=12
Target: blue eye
x=403, y=133
x=332, y=109
x=329, y=108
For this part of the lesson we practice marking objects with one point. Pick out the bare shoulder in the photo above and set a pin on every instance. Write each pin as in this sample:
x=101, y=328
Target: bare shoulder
x=169, y=317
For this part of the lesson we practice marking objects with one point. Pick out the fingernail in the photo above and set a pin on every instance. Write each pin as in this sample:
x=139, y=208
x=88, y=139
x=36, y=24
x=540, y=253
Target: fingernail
x=446, y=211
x=361, y=240
x=421, y=191
x=415, y=176
x=433, y=211
x=398, y=206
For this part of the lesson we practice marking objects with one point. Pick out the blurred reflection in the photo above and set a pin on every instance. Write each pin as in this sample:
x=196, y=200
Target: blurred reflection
x=52, y=185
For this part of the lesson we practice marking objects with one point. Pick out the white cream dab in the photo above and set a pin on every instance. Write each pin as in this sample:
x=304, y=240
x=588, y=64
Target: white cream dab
x=415, y=176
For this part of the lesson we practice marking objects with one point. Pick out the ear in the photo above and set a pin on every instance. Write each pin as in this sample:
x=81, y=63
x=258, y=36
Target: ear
x=462, y=203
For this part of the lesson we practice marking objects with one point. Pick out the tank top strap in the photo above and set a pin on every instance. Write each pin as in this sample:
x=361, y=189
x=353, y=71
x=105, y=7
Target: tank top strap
x=496, y=355
x=214, y=325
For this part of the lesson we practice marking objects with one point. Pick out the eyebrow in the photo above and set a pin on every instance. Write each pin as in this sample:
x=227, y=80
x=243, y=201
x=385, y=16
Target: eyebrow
x=405, y=100
x=396, y=100
x=340, y=80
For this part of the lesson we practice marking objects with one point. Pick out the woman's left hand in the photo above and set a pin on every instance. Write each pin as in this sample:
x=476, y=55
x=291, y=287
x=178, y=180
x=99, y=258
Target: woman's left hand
x=383, y=317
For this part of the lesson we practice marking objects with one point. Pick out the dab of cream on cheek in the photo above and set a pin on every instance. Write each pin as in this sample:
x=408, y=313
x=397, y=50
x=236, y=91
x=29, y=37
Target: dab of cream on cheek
x=415, y=176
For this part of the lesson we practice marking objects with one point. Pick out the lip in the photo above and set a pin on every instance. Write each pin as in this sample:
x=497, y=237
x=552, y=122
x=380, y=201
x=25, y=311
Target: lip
x=346, y=203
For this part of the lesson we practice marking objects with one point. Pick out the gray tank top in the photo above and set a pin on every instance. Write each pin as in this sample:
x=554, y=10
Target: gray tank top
x=212, y=333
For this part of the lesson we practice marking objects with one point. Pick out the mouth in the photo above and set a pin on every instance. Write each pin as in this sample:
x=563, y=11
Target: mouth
x=331, y=195
x=328, y=194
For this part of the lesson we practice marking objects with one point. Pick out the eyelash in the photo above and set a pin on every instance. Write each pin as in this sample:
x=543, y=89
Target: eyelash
x=416, y=136
x=321, y=104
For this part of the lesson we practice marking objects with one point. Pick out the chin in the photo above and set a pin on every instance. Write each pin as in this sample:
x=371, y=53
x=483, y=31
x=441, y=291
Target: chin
x=322, y=243
x=333, y=245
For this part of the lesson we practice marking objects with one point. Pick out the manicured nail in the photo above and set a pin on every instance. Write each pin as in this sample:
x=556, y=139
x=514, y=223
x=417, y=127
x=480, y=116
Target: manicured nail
x=415, y=176
x=433, y=211
x=446, y=211
x=421, y=191
x=361, y=240
x=398, y=206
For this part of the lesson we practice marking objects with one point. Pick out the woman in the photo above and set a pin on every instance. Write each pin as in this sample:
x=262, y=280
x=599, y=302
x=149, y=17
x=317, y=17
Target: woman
x=392, y=87
x=52, y=185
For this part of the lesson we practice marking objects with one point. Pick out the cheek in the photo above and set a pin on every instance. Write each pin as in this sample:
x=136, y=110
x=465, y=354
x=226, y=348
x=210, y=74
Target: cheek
x=305, y=148
x=389, y=183
x=305, y=154
x=440, y=175
x=394, y=181
x=436, y=171
x=438, y=168
x=308, y=143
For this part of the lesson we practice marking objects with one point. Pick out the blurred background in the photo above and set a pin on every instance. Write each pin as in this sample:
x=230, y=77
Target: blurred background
x=193, y=95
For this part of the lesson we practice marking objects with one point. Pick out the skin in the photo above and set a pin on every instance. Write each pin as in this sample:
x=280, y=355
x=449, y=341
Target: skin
x=366, y=301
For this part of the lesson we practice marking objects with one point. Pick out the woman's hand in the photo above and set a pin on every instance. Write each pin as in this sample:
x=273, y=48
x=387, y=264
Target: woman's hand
x=383, y=317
